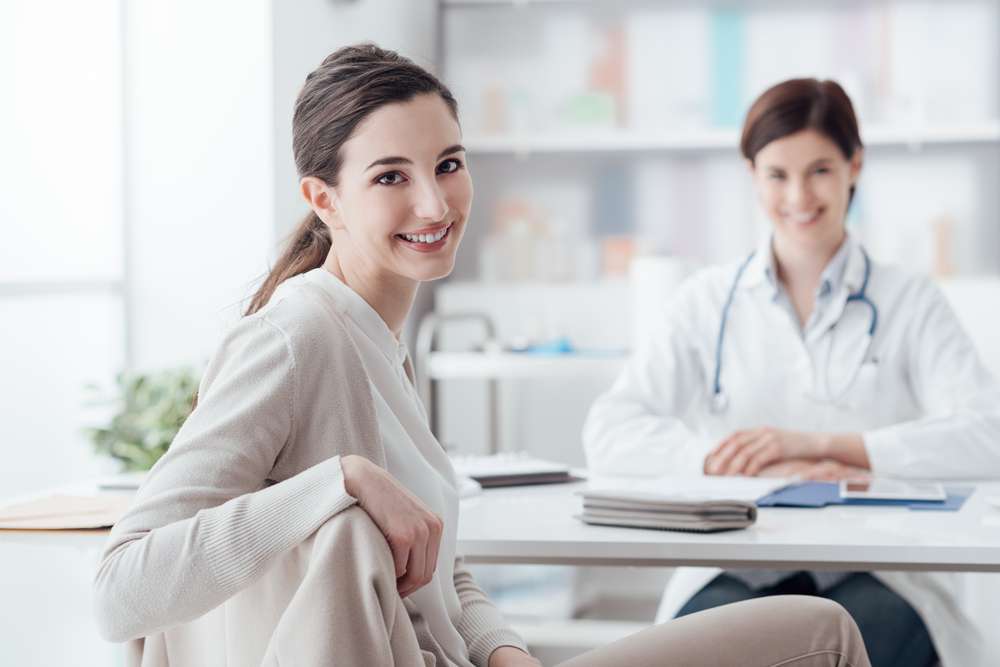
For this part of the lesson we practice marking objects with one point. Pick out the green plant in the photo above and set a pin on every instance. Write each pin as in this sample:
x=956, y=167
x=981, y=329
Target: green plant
x=148, y=411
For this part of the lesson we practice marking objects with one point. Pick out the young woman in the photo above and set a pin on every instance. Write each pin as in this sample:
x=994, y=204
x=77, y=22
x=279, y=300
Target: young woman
x=305, y=514
x=808, y=358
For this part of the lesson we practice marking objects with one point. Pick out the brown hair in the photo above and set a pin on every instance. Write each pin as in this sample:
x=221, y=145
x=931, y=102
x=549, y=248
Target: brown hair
x=346, y=88
x=799, y=104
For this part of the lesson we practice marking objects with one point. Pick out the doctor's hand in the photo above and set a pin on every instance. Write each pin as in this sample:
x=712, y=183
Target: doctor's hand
x=826, y=470
x=412, y=530
x=749, y=451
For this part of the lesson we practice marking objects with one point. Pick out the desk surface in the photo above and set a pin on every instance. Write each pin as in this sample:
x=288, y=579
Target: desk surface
x=538, y=525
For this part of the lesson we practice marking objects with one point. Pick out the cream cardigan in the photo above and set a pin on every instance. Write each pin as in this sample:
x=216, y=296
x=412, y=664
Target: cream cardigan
x=255, y=470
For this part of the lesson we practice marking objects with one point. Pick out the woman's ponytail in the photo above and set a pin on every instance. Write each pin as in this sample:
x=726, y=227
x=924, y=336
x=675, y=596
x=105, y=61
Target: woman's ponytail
x=306, y=250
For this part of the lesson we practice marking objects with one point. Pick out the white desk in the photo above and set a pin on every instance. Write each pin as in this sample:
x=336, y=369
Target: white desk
x=536, y=524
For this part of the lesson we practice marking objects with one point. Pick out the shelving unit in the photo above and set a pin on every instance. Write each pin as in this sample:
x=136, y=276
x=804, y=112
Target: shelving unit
x=614, y=141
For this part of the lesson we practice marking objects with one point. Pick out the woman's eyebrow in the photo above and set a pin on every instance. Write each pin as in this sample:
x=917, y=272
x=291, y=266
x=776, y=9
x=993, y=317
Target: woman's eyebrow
x=398, y=159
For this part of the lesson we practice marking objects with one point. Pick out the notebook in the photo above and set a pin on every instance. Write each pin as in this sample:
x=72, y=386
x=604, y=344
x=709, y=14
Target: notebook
x=639, y=509
x=511, y=469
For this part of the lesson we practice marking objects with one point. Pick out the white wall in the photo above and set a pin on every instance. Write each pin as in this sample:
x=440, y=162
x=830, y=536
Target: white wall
x=199, y=159
x=60, y=224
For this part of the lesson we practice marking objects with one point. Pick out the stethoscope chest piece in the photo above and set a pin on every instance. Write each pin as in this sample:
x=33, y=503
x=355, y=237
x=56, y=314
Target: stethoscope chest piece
x=719, y=402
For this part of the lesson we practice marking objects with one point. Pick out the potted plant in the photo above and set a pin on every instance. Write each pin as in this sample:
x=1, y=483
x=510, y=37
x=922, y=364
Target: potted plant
x=148, y=411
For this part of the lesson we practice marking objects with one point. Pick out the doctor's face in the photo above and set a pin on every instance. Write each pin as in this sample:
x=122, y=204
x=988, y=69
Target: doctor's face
x=803, y=182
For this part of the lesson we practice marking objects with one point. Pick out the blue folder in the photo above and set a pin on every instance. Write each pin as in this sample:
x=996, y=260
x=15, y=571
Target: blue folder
x=821, y=494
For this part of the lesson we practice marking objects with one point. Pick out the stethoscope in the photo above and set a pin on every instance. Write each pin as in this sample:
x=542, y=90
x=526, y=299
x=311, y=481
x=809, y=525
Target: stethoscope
x=720, y=399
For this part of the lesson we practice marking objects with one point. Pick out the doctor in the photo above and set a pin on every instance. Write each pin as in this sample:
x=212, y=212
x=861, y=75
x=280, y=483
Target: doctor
x=808, y=357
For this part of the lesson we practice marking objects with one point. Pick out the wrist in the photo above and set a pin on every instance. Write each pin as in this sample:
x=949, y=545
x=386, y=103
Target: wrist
x=353, y=468
x=824, y=446
x=847, y=448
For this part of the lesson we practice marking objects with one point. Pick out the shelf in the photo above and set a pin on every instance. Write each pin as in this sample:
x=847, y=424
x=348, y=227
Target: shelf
x=616, y=140
x=506, y=365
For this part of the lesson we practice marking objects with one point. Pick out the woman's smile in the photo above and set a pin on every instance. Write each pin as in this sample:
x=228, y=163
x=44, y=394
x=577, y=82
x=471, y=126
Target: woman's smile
x=428, y=239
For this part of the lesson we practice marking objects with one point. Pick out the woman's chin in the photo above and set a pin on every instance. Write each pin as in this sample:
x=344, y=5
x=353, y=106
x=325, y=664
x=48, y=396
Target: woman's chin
x=433, y=271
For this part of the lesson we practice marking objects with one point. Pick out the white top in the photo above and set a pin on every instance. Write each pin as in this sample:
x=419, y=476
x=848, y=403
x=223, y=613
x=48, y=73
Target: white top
x=412, y=453
x=925, y=404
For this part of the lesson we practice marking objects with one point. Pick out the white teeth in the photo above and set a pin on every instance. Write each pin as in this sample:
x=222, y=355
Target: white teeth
x=426, y=238
x=802, y=219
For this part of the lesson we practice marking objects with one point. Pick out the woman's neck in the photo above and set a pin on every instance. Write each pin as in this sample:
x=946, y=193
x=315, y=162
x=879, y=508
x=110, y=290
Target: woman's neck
x=391, y=296
x=800, y=267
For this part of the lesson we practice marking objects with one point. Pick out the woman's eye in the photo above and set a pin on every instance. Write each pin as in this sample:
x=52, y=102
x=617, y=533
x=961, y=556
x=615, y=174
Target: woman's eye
x=390, y=178
x=776, y=176
x=449, y=166
x=822, y=170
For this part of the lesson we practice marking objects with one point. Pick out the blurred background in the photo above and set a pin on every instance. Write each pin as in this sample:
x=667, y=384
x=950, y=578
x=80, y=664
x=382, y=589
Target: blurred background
x=146, y=181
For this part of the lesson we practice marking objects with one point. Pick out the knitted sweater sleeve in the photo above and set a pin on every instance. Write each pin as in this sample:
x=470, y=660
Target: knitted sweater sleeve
x=481, y=625
x=206, y=523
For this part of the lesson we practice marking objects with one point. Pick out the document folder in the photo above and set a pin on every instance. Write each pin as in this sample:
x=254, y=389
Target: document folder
x=821, y=494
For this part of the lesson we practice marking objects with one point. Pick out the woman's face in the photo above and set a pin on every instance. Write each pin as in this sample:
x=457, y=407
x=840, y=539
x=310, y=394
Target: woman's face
x=803, y=182
x=404, y=192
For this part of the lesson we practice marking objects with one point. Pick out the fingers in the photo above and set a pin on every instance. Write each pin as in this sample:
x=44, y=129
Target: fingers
x=730, y=458
x=763, y=456
x=400, y=554
x=828, y=470
x=416, y=571
x=718, y=459
x=433, y=546
x=425, y=544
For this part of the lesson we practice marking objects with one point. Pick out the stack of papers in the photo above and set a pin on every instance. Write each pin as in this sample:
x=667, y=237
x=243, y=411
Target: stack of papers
x=639, y=509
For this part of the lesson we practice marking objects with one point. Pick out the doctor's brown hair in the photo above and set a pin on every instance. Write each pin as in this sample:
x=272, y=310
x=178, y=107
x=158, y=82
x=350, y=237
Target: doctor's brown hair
x=801, y=104
x=349, y=85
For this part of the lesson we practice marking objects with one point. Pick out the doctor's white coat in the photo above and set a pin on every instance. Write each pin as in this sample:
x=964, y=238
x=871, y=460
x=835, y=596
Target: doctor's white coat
x=918, y=393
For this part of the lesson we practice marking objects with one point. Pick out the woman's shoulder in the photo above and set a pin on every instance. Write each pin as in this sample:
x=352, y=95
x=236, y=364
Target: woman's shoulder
x=312, y=324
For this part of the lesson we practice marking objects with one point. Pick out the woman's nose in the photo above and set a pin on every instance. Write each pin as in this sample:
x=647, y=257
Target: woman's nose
x=430, y=204
x=798, y=194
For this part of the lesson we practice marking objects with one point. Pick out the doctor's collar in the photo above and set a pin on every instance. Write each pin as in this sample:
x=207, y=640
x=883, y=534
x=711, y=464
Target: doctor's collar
x=846, y=268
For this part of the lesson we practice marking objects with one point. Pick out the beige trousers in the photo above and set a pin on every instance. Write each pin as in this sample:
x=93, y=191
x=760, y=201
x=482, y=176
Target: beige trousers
x=360, y=619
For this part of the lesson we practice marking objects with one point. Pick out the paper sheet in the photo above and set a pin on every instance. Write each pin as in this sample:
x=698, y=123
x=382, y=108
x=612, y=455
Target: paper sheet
x=65, y=512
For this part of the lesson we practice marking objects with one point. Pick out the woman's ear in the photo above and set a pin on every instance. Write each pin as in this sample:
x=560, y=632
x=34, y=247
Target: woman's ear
x=321, y=199
x=857, y=161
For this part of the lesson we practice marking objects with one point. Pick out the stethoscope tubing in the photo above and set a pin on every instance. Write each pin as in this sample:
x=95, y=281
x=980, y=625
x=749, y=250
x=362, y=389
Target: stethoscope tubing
x=719, y=400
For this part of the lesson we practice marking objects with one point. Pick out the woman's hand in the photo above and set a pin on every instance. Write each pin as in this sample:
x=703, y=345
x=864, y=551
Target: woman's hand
x=510, y=656
x=411, y=529
x=750, y=451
